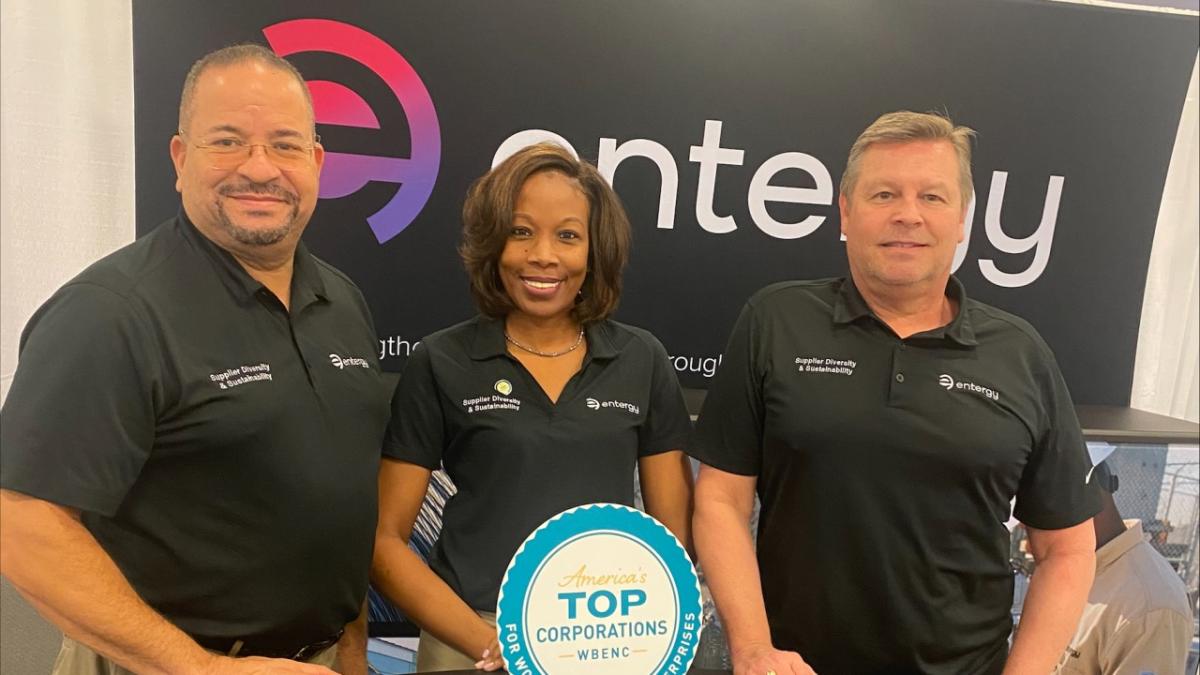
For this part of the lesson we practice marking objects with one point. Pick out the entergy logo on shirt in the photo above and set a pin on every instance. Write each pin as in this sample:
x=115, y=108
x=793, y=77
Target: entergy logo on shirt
x=596, y=404
x=342, y=362
x=950, y=384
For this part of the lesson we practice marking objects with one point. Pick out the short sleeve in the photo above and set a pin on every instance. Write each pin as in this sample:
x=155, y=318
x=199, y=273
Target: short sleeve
x=416, y=431
x=729, y=431
x=668, y=424
x=1055, y=492
x=78, y=424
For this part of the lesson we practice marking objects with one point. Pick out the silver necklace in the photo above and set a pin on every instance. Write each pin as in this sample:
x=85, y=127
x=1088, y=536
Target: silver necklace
x=538, y=352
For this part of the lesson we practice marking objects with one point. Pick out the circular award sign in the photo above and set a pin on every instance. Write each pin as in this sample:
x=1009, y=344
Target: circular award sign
x=601, y=588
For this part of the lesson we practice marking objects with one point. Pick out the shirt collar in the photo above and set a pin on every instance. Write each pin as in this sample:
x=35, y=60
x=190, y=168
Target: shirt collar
x=1119, y=545
x=307, y=285
x=599, y=337
x=489, y=341
x=850, y=306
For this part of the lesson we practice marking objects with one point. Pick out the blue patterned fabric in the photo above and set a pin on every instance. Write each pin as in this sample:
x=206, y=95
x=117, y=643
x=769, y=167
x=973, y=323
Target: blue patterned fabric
x=383, y=618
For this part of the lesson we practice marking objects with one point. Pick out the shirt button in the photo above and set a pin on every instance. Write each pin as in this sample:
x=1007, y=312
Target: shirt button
x=900, y=377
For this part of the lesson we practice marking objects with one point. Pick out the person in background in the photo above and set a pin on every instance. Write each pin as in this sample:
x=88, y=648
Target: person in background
x=886, y=420
x=539, y=404
x=191, y=489
x=1137, y=619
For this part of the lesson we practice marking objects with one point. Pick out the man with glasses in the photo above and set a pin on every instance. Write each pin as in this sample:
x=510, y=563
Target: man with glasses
x=191, y=488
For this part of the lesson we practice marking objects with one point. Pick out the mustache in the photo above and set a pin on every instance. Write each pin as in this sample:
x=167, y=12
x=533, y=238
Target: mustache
x=265, y=189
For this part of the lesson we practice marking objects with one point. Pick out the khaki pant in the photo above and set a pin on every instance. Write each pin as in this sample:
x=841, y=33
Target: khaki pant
x=77, y=659
x=434, y=655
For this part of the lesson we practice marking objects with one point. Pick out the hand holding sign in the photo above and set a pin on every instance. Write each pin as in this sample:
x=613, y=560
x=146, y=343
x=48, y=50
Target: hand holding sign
x=760, y=659
x=491, y=659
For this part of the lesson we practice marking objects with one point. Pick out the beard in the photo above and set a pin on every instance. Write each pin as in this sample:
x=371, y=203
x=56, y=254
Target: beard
x=259, y=236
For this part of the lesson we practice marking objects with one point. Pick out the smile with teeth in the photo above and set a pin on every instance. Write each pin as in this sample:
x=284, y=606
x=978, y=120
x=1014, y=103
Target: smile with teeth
x=541, y=284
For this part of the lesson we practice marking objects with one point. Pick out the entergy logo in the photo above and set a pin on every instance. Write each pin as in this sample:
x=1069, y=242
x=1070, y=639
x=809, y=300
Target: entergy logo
x=632, y=408
x=349, y=361
x=950, y=384
x=336, y=104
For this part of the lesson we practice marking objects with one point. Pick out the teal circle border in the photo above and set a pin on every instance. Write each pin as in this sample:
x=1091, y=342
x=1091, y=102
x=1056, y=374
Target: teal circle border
x=571, y=524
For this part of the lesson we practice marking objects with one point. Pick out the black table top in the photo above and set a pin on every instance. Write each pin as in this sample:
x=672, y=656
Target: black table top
x=1130, y=425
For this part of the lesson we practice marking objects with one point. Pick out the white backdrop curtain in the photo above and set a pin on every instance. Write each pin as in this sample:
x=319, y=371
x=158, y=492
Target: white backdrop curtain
x=66, y=149
x=1166, y=377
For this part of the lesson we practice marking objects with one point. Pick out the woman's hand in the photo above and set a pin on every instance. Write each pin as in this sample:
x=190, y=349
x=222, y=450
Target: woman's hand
x=491, y=658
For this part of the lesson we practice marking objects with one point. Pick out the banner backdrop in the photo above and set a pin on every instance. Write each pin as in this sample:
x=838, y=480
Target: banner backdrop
x=724, y=127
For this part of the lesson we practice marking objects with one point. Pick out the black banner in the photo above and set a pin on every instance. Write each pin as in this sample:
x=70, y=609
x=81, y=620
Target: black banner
x=724, y=127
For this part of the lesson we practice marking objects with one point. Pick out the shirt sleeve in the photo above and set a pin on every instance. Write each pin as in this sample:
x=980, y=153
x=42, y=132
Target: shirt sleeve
x=416, y=431
x=1055, y=492
x=78, y=423
x=1155, y=642
x=668, y=424
x=729, y=431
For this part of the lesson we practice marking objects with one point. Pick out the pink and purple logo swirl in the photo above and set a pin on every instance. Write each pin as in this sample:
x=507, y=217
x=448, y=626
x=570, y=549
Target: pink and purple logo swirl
x=334, y=103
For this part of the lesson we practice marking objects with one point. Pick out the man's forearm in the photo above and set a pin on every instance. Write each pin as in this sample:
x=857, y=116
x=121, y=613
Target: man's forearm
x=726, y=552
x=1057, y=594
x=61, y=570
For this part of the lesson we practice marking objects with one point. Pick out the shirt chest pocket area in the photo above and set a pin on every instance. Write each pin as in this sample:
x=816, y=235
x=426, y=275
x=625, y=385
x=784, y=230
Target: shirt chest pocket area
x=811, y=402
x=233, y=401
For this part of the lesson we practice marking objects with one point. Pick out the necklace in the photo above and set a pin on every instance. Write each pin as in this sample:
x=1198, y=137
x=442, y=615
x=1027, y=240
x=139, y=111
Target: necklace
x=549, y=355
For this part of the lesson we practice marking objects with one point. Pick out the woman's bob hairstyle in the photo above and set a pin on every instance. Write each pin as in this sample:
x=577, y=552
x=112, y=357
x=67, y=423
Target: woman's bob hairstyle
x=488, y=217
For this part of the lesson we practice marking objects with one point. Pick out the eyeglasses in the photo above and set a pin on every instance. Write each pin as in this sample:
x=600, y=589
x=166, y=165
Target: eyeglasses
x=230, y=152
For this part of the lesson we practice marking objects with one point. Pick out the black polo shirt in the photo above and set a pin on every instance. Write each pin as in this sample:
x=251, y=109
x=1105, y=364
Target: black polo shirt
x=223, y=450
x=516, y=458
x=886, y=468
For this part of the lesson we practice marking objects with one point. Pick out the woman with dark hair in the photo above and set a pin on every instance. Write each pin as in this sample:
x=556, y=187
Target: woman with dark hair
x=539, y=404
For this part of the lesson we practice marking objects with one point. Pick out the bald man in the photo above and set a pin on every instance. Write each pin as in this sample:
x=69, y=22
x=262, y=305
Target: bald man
x=190, y=488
